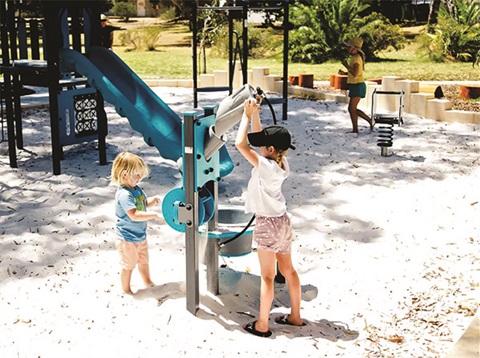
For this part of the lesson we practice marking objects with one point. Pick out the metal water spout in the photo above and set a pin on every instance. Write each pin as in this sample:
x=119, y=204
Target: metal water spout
x=229, y=113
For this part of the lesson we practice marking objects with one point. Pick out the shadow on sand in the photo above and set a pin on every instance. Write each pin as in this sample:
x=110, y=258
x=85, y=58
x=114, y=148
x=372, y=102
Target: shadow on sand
x=238, y=303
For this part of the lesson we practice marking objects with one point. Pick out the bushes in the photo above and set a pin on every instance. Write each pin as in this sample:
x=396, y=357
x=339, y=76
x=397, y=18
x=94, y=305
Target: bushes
x=322, y=26
x=151, y=35
x=145, y=37
x=262, y=42
x=124, y=10
x=455, y=37
x=307, y=41
x=378, y=34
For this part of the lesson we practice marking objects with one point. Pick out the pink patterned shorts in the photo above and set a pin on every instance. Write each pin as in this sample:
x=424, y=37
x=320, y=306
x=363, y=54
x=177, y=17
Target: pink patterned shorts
x=273, y=234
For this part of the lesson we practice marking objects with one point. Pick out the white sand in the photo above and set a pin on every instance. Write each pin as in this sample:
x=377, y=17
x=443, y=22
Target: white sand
x=387, y=248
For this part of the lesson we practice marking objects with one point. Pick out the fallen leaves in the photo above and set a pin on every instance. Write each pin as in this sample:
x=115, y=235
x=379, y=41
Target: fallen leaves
x=423, y=324
x=20, y=320
x=374, y=336
x=396, y=339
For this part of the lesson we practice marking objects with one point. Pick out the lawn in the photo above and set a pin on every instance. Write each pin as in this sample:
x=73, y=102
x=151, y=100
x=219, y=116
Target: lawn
x=172, y=59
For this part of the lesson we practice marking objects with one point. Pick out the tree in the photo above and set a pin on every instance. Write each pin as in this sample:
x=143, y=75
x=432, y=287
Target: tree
x=307, y=40
x=124, y=9
x=457, y=34
x=319, y=28
x=210, y=22
x=378, y=34
x=433, y=12
x=322, y=26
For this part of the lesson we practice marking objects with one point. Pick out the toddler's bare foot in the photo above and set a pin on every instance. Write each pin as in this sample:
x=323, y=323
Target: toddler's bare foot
x=149, y=284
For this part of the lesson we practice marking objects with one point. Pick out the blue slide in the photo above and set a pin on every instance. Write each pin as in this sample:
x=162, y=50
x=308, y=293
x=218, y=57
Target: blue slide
x=147, y=113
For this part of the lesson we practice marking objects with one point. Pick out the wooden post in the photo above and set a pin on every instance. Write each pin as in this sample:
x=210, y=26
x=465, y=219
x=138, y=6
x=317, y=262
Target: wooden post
x=469, y=91
x=305, y=80
x=341, y=82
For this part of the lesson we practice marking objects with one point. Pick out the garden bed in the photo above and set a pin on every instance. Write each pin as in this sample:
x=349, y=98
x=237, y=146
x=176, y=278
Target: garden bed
x=450, y=92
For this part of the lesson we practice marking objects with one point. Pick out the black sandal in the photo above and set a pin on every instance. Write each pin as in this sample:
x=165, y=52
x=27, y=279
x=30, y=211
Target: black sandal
x=250, y=328
x=284, y=320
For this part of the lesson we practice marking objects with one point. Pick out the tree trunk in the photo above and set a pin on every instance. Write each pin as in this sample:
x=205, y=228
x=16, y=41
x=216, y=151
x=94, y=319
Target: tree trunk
x=433, y=14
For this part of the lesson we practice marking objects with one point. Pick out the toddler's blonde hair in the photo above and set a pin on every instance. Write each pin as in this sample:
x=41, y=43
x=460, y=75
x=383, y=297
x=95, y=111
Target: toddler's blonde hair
x=129, y=164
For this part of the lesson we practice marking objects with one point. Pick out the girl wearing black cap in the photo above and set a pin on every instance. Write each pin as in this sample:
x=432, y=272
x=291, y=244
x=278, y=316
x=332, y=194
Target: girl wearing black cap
x=273, y=229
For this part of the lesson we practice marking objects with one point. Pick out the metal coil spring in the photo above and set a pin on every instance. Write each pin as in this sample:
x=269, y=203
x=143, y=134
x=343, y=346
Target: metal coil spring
x=385, y=135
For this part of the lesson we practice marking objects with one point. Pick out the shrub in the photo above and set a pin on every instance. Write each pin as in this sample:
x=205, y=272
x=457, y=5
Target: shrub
x=262, y=42
x=125, y=10
x=168, y=14
x=456, y=37
x=151, y=35
x=308, y=45
x=378, y=34
x=144, y=37
x=319, y=28
x=323, y=26
x=131, y=37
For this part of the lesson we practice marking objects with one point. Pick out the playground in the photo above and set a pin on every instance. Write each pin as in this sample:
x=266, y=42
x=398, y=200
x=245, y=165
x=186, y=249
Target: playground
x=386, y=247
x=385, y=241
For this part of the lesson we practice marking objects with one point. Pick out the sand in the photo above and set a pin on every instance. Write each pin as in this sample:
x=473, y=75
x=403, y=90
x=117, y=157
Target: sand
x=387, y=248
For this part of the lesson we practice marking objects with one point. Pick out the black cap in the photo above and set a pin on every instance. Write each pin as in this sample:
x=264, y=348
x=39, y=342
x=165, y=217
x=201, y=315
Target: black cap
x=275, y=136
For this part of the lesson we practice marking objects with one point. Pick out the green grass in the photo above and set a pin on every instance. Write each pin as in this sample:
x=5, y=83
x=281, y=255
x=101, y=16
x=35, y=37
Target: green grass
x=173, y=60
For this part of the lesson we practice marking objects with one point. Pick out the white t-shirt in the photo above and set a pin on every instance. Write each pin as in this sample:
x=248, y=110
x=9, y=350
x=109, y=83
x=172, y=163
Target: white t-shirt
x=264, y=195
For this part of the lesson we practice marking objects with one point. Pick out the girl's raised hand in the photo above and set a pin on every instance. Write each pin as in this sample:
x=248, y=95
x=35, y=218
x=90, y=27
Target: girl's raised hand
x=250, y=107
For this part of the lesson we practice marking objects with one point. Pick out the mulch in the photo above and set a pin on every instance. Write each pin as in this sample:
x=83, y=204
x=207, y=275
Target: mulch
x=451, y=93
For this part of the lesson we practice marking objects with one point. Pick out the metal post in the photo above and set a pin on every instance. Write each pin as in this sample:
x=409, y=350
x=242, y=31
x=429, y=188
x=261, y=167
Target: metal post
x=17, y=105
x=191, y=207
x=102, y=128
x=286, y=24
x=10, y=120
x=211, y=249
x=8, y=78
x=194, y=53
x=245, y=41
x=230, y=52
x=51, y=24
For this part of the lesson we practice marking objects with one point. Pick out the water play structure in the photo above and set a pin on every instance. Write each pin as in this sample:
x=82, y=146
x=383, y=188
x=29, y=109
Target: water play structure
x=80, y=74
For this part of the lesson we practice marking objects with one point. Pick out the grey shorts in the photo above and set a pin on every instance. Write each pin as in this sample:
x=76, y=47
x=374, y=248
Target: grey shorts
x=273, y=233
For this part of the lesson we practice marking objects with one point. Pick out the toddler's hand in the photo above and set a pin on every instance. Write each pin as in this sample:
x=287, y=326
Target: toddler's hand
x=155, y=200
x=160, y=218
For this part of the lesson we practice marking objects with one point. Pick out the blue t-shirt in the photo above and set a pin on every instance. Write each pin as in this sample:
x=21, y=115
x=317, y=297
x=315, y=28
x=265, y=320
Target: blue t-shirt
x=125, y=200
